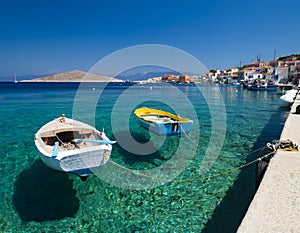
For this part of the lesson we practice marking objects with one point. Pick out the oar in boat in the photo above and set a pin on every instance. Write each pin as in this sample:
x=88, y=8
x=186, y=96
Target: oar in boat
x=55, y=149
x=78, y=140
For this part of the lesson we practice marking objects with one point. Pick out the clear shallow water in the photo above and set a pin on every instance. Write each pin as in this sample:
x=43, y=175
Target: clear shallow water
x=37, y=199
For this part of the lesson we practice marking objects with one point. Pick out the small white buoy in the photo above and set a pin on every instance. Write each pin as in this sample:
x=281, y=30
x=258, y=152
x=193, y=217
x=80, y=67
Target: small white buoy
x=94, y=88
x=150, y=88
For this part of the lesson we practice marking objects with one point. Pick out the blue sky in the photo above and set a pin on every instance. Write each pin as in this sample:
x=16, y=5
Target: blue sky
x=37, y=37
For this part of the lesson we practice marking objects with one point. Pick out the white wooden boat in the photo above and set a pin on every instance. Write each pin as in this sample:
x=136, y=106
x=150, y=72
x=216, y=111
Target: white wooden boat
x=286, y=100
x=292, y=92
x=72, y=146
x=162, y=122
x=283, y=88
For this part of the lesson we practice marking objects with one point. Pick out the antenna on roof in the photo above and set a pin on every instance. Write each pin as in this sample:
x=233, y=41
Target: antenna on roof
x=274, y=54
x=258, y=57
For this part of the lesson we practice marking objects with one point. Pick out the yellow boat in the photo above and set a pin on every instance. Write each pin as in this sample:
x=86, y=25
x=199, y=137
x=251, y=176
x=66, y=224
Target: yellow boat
x=162, y=122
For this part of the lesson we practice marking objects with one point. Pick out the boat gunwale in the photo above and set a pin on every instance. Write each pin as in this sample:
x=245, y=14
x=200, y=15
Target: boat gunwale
x=51, y=130
x=141, y=112
x=56, y=126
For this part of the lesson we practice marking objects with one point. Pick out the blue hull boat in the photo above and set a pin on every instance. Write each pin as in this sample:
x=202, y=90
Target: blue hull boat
x=162, y=122
x=269, y=87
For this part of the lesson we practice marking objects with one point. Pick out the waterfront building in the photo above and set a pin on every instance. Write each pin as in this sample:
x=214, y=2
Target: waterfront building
x=281, y=73
x=250, y=73
x=184, y=78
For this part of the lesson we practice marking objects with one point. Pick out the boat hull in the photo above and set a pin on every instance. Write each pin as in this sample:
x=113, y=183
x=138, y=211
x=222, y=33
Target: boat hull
x=283, y=88
x=286, y=100
x=167, y=129
x=78, y=163
x=262, y=88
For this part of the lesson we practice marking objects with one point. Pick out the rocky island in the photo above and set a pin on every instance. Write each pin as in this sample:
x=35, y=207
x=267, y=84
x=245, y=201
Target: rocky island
x=74, y=76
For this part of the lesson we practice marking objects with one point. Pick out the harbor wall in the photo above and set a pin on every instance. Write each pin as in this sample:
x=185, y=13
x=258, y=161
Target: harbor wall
x=276, y=204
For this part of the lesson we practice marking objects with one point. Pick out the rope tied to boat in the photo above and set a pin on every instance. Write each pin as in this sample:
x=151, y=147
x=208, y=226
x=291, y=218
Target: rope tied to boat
x=273, y=147
x=286, y=145
x=187, y=136
x=66, y=146
x=139, y=174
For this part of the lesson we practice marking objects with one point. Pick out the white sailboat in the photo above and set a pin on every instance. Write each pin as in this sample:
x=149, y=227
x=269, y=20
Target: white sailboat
x=16, y=81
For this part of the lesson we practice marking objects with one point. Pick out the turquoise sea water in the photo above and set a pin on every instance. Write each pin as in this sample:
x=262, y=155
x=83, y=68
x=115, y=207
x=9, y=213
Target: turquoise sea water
x=35, y=198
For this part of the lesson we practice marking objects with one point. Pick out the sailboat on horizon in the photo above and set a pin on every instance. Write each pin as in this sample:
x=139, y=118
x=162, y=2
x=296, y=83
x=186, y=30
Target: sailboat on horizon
x=16, y=81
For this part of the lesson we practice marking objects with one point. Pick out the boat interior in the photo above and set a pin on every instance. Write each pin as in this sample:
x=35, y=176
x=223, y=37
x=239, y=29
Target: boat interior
x=65, y=137
x=159, y=118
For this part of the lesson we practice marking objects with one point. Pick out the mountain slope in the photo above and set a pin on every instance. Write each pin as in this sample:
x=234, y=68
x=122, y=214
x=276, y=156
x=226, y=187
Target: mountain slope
x=74, y=76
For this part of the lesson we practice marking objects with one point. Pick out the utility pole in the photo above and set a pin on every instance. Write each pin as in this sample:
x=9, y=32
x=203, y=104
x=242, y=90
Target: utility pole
x=258, y=57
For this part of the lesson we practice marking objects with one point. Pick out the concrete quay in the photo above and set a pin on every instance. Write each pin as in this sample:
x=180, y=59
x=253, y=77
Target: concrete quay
x=276, y=204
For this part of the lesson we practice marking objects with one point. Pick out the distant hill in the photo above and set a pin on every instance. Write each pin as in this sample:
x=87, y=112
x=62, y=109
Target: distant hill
x=144, y=75
x=145, y=72
x=74, y=76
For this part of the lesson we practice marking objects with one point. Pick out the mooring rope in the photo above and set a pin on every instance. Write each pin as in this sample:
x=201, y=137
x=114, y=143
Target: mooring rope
x=196, y=144
x=59, y=139
x=188, y=137
x=193, y=179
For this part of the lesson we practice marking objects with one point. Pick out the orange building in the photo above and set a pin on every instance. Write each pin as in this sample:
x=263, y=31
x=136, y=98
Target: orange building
x=169, y=78
x=184, y=78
